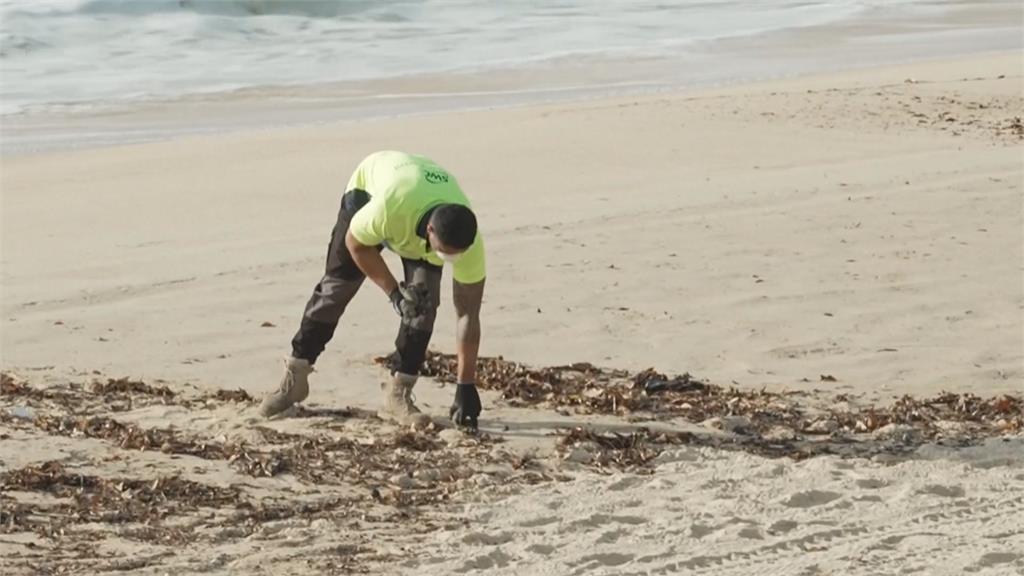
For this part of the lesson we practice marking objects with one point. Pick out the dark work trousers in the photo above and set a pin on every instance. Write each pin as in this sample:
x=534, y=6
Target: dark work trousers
x=342, y=279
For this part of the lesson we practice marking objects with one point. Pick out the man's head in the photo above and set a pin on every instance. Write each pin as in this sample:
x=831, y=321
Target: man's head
x=451, y=230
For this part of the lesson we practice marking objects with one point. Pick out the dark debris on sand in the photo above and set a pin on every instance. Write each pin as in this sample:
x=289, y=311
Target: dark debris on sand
x=142, y=507
x=86, y=499
x=624, y=451
x=398, y=475
x=129, y=386
x=315, y=459
x=141, y=510
x=774, y=424
x=771, y=424
x=129, y=436
x=114, y=394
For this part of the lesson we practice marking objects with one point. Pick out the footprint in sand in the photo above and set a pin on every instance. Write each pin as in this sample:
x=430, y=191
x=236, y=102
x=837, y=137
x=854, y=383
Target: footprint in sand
x=593, y=561
x=494, y=559
x=871, y=483
x=598, y=520
x=538, y=522
x=611, y=536
x=811, y=498
x=655, y=485
x=997, y=558
x=541, y=549
x=752, y=533
x=626, y=483
x=782, y=526
x=944, y=491
x=484, y=539
x=699, y=531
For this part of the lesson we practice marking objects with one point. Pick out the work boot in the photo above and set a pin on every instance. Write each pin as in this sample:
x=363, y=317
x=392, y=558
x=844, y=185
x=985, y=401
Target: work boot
x=294, y=387
x=398, y=404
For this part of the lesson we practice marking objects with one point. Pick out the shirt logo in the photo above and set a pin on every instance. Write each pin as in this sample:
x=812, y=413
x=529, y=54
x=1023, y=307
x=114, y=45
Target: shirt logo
x=436, y=177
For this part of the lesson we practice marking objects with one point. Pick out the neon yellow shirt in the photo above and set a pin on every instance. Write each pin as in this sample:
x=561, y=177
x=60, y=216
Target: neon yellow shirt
x=403, y=188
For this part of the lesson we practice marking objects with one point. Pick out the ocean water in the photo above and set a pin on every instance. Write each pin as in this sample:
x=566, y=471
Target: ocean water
x=68, y=52
x=81, y=73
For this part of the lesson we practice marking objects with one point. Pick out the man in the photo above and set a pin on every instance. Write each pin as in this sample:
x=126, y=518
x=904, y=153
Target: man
x=415, y=208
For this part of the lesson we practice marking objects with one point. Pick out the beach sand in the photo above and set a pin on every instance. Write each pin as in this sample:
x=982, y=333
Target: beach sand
x=856, y=234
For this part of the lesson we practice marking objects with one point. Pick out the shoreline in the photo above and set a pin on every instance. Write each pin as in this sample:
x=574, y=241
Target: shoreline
x=860, y=43
x=256, y=110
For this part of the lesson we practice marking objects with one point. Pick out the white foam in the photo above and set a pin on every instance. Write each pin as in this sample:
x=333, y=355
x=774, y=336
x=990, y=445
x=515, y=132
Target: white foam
x=74, y=51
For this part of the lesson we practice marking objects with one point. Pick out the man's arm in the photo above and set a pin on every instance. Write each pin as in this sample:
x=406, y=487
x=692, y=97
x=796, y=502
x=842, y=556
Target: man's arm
x=468, y=299
x=370, y=261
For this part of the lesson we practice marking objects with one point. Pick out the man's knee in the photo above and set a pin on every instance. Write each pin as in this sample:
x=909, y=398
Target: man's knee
x=427, y=277
x=429, y=291
x=424, y=321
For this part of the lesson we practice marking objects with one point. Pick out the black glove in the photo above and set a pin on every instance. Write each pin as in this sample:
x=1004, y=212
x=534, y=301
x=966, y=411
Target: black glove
x=466, y=408
x=397, y=298
x=408, y=301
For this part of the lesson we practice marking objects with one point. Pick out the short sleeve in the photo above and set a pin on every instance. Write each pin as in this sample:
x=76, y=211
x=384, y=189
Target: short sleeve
x=367, y=226
x=471, y=268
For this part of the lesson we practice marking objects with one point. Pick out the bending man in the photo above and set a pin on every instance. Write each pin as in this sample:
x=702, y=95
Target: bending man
x=415, y=208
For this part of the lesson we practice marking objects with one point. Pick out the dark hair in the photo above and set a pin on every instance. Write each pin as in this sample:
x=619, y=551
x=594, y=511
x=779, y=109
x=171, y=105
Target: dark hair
x=455, y=225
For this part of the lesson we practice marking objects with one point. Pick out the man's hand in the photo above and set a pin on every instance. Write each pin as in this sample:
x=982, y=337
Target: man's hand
x=409, y=302
x=466, y=409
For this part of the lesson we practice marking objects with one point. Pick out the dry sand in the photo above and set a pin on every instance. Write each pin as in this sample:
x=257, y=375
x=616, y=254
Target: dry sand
x=865, y=226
